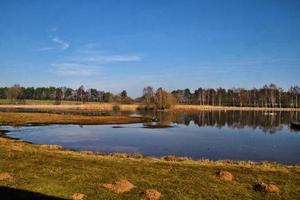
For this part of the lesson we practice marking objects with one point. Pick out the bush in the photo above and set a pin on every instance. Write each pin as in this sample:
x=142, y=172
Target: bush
x=116, y=108
x=164, y=100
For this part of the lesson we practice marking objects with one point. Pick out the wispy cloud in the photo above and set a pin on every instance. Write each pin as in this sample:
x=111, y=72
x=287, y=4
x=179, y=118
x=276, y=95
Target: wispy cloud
x=57, y=42
x=86, y=60
x=63, y=45
x=45, y=49
x=72, y=69
x=99, y=57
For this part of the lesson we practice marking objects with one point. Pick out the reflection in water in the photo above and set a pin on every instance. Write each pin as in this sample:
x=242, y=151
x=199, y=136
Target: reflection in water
x=217, y=135
x=267, y=122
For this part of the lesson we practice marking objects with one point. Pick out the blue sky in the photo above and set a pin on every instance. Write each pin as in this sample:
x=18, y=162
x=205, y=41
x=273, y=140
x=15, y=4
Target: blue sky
x=128, y=44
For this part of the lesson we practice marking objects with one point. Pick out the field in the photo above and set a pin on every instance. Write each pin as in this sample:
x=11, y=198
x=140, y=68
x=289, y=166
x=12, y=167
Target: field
x=47, y=171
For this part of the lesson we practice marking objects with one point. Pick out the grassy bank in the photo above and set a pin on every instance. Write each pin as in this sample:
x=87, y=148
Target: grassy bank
x=47, y=105
x=229, y=108
x=61, y=173
x=13, y=118
x=74, y=107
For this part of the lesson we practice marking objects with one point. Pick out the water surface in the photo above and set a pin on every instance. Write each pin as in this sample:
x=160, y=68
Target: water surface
x=255, y=136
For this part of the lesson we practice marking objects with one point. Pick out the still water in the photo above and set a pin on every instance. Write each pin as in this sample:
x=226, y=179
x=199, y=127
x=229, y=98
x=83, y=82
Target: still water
x=234, y=135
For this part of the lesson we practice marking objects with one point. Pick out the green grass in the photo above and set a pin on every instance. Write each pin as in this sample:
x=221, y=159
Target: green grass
x=62, y=173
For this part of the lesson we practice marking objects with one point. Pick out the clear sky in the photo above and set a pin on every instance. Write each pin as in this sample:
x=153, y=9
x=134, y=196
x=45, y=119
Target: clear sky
x=128, y=44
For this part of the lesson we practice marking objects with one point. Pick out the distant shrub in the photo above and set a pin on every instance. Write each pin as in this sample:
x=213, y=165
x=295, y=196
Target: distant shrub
x=116, y=108
x=149, y=107
x=137, y=156
x=169, y=158
x=172, y=158
x=120, y=155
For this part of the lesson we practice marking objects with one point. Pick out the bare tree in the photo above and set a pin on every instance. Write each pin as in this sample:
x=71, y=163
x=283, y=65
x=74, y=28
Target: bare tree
x=148, y=95
x=163, y=99
x=14, y=93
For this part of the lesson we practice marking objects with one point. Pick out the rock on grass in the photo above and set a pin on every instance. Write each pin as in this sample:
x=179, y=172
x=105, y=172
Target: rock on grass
x=120, y=186
x=268, y=188
x=5, y=176
x=150, y=194
x=272, y=188
x=224, y=175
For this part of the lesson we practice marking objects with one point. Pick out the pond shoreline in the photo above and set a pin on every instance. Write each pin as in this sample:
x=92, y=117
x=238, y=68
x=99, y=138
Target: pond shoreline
x=23, y=119
x=134, y=107
x=173, y=158
x=61, y=172
x=94, y=169
x=139, y=156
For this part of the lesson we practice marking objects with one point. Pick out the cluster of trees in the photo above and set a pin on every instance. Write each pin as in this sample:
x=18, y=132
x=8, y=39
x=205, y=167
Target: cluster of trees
x=267, y=96
x=17, y=94
x=161, y=98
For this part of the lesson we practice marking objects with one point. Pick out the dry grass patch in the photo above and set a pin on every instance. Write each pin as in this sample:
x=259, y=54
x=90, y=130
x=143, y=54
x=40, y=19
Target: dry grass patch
x=78, y=196
x=120, y=186
x=5, y=176
x=51, y=146
x=17, y=119
x=150, y=194
x=224, y=175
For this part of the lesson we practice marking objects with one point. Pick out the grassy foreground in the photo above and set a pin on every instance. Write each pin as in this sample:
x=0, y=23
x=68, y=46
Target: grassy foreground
x=61, y=173
x=14, y=119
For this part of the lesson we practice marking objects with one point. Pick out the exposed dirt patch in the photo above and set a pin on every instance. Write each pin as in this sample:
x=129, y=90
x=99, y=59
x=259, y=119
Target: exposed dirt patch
x=268, y=188
x=150, y=194
x=78, y=196
x=5, y=176
x=120, y=186
x=224, y=175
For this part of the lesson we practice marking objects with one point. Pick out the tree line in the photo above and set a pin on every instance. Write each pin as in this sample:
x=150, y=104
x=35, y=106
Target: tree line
x=266, y=96
x=18, y=94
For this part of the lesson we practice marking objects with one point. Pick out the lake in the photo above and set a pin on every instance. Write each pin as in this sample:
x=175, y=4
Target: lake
x=234, y=135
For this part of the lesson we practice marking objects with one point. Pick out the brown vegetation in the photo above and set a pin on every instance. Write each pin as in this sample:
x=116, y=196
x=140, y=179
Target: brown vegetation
x=150, y=194
x=51, y=146
x=8, y=118
x=268, y=188
x=224, y=175
x=5, y=176
x=78, y=196
x=120, y=186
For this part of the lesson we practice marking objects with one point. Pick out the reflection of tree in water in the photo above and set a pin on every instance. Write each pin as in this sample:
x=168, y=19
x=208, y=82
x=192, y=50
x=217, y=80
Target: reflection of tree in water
x=267, y=122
